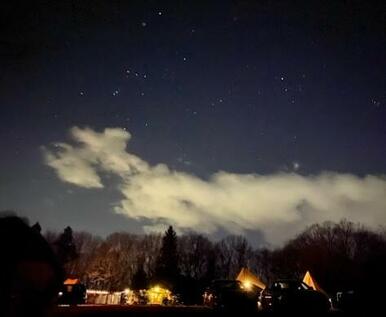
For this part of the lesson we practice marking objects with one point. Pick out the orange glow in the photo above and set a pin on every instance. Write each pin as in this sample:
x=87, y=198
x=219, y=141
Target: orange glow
x=71, y=281
x=247, y=285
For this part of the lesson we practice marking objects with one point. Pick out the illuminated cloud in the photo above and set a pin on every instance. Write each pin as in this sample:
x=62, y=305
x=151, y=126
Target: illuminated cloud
x=94, y=152
x=72, y=166
x=279, y=205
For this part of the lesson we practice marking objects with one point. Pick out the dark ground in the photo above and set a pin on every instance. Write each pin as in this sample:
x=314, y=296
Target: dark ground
x=119, y=310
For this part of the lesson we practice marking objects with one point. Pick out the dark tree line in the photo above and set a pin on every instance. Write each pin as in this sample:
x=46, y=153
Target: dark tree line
x=341, y=256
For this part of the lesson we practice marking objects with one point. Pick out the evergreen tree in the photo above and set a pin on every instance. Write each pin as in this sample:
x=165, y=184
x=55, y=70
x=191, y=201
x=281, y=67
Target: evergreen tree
x=139, y=279
x=37, y=227
x=65, y=247
x=167, y=271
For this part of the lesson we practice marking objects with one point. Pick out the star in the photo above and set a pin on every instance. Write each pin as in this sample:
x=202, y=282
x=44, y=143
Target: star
x=295, y=166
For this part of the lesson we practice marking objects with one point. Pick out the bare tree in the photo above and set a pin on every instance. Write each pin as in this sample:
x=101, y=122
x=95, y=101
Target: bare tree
x=195, y=251
x=233, y=253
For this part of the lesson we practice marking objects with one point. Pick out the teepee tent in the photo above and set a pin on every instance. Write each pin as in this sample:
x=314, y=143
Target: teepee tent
x=247, y=277
x=310, y=281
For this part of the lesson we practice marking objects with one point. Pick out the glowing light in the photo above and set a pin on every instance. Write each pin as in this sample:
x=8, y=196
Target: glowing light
x=156, y=288
x=157, y=295
x=247, y=285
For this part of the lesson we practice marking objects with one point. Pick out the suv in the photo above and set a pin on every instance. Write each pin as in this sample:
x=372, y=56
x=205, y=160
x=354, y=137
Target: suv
x=230, y=295
x=293, y=295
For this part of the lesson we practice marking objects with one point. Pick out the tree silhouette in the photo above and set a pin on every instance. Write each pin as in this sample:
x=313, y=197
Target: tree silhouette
x=341, y=256
x=37, y=227
x=139, y=280
x=65, y=247
x=167, y=269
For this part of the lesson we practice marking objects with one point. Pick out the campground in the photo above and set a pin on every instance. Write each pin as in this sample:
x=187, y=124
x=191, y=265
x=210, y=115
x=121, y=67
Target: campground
x=154, y=310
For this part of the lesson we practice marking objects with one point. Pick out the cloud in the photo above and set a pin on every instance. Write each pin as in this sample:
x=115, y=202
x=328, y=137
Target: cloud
x=279, y=205
x=95, y=152
x=73, y=166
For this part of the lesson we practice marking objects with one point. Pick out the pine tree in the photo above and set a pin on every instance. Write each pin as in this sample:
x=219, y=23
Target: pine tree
x=167, y=271
x=139, y=279
x=65, y=247
x=37, y=227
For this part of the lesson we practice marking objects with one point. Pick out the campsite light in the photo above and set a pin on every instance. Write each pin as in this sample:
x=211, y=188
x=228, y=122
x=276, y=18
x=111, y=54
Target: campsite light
x=157, y=295
x=246, y=276
x=247, y=285
x=156, y=288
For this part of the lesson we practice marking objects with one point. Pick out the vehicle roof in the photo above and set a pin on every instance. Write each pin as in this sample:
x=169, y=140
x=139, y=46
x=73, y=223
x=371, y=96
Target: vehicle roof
x=289, y=281
x=220, y=283
x=226, y=281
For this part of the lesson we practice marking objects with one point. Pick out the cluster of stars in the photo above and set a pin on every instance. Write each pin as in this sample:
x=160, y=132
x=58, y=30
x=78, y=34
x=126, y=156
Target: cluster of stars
x=136, y=74
x=288, y=89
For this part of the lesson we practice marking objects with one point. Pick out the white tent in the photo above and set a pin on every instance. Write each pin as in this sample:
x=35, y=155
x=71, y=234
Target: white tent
x=247, y=277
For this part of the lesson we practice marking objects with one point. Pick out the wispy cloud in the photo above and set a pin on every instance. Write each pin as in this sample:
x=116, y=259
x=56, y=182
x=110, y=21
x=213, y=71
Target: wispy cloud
x=279, y=204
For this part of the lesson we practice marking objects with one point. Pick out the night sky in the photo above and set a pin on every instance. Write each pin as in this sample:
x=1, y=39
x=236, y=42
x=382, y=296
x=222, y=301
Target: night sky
x=250, y=101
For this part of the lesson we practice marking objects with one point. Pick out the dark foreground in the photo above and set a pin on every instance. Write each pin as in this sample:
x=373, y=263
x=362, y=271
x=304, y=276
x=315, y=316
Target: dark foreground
x=154, y=310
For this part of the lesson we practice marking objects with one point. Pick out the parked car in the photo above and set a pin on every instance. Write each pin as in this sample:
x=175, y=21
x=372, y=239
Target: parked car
x=347, y=301
x=293, y=295
x=230, y=295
